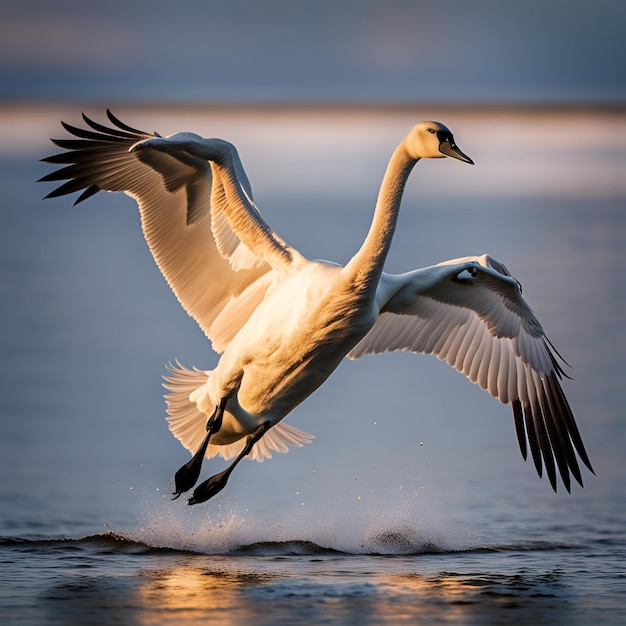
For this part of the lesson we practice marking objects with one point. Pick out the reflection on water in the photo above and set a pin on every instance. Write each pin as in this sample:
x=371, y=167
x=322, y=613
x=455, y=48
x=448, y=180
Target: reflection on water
x=190, y=592
x=475, y=597
x=108, y=579
x=265, y=591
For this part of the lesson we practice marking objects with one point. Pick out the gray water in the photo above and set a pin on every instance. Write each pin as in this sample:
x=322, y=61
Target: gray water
x=412, y=505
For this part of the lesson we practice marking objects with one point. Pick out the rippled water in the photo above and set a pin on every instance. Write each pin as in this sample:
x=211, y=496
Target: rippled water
x=108, y=577
x=413, y=504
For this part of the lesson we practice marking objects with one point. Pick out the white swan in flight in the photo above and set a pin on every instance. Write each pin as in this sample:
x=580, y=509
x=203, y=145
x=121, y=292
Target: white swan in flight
x=283, y=323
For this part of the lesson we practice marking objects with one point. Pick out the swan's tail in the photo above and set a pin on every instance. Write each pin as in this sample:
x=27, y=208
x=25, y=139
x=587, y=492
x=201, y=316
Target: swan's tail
x=188, y=423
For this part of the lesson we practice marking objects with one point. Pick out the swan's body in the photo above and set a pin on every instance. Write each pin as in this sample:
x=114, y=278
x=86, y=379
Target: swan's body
x=283, y=323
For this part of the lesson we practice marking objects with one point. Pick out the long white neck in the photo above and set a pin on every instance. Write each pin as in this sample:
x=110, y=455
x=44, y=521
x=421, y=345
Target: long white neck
x=366, y=266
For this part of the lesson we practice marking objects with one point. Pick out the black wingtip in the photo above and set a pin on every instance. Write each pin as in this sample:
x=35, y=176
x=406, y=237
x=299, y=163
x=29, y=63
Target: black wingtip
x=122, y=126
x=84, y=150
x=90, y=191
x=520, y=431
x=553, y=482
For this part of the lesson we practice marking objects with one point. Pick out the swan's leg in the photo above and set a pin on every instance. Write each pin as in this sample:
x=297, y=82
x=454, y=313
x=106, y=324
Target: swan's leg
x=187, y=476
x=216, y=483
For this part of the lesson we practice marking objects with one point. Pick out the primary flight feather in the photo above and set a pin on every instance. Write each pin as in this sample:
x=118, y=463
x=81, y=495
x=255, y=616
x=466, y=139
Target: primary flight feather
x=283, y=323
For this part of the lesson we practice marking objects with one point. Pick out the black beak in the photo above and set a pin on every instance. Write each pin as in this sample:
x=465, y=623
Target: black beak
x=448, y=147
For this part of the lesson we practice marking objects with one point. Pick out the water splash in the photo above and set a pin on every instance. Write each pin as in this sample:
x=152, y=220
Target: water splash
x=377, y=527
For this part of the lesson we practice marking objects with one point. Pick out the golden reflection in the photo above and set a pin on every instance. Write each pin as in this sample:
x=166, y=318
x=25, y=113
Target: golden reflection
x=424, y=597
x=189, y=592
x=446, y=586
x=225, y=591
x=465, y=595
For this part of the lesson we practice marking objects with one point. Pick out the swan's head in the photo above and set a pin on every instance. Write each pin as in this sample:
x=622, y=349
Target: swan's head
x=432, y=140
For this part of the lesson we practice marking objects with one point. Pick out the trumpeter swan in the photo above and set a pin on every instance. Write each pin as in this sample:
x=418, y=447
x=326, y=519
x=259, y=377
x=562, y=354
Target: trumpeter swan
x=282, y=322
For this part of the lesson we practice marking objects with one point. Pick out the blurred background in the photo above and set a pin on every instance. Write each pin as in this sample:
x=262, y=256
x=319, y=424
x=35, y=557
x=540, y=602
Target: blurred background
x=315, y=95
x=272, y=51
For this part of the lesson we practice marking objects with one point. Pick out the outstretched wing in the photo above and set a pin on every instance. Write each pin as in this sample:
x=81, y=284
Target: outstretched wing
x=470, y=312
x=183, y=215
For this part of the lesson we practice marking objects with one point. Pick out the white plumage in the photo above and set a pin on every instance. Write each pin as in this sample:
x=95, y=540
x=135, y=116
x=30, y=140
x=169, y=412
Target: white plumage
x=283, y=322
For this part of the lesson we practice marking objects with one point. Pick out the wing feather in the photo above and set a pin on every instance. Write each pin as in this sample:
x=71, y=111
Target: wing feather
x=470, y=312
x=193, y=244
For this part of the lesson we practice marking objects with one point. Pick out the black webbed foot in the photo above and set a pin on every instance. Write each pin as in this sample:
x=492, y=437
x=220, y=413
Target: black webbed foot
x=187, y=476
x=211, y=487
